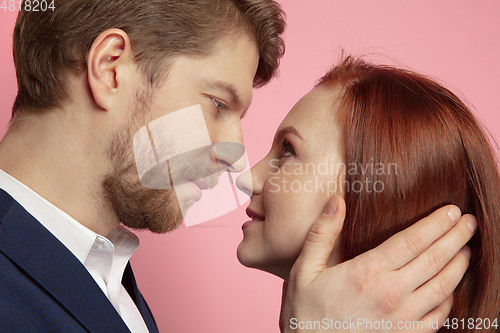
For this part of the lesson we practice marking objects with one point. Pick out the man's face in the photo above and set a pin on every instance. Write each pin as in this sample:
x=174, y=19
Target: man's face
x=221, y=84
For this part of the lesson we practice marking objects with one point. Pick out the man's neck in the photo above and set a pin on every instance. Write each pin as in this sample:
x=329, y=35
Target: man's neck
x=62, y=158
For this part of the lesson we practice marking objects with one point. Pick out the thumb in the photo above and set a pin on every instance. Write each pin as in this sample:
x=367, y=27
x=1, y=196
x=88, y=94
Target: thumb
x=282, y=311
x=320, y=241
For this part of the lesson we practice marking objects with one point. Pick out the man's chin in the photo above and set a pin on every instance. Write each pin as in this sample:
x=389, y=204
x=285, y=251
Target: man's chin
x=143, y=209
x=159, y=226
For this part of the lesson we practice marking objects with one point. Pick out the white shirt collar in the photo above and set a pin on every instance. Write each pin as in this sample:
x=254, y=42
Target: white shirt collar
x=76, y=237
x=104, y=258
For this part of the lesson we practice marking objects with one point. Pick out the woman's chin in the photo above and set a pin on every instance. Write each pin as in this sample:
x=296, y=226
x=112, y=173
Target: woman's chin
x=246, y=257
x=250, y=260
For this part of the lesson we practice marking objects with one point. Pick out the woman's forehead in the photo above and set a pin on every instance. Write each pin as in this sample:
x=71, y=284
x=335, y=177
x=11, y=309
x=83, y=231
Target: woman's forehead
x=315, y=111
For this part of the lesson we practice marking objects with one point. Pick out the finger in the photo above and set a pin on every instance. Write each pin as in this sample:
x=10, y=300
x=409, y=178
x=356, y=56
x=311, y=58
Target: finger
x=319, y=241
x=283, y=300
x=283, y=294
x=434, y=319
x=431, y=261
x=440, y=287
x=406, y=245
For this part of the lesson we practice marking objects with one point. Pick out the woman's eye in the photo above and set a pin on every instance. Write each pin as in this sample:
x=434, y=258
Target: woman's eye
x=218, y=104
x=287, y=149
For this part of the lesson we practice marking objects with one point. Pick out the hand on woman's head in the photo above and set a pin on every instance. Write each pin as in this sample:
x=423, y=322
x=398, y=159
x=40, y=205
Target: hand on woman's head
x=397, y=146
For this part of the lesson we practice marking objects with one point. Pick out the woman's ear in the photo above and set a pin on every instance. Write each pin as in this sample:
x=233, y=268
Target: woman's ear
x=108, y=61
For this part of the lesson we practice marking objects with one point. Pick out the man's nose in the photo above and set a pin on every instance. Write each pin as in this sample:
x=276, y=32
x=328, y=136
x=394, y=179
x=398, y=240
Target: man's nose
x=228, y=156
x=244, y=183
x=228, y=150
x=252, y=181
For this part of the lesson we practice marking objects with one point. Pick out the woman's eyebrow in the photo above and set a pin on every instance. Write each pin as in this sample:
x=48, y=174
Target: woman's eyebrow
x=290, y=129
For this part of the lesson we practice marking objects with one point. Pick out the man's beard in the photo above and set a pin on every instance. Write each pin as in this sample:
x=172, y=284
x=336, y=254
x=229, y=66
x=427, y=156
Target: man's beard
x=136, y=206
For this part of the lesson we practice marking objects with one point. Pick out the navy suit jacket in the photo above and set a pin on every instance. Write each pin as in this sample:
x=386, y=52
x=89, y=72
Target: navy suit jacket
x=45, y=288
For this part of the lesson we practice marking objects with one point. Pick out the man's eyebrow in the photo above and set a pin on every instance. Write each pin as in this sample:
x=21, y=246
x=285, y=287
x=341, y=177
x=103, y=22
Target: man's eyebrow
x=290, y=129
x=228, y=88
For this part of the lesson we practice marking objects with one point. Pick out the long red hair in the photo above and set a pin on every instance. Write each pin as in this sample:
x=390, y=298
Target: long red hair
x=396, y=117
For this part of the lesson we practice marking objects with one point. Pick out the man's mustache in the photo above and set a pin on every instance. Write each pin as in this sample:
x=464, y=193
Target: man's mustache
x=197, y=164
x=176, y=148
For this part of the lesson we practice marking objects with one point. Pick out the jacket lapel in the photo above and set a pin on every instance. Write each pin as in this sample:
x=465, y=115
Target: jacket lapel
x=128, y=282
x=41, y=255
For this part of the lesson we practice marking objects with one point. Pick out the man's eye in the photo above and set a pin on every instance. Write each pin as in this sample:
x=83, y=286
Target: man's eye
x=218, y=104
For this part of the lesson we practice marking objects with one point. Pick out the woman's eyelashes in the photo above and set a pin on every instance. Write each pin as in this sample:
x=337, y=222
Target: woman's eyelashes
x=219, y=105
x=287, y=149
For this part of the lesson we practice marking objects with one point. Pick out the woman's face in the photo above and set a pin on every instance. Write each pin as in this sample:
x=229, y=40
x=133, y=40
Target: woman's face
x=292, y=184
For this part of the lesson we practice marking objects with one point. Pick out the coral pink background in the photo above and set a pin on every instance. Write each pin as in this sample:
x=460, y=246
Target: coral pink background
x=191, y=277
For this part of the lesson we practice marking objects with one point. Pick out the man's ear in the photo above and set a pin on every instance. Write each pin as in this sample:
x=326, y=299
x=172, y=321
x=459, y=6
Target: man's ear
x=109, y=56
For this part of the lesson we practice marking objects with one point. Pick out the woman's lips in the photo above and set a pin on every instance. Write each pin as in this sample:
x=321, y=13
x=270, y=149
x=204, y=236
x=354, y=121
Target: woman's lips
x=247, y=223
x=255, y=218
x=254, y=215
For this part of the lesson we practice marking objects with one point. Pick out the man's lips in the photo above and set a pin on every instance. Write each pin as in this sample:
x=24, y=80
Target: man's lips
x=255, y=218
x=196, y=186
x=196, y=190
x=201, y=184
